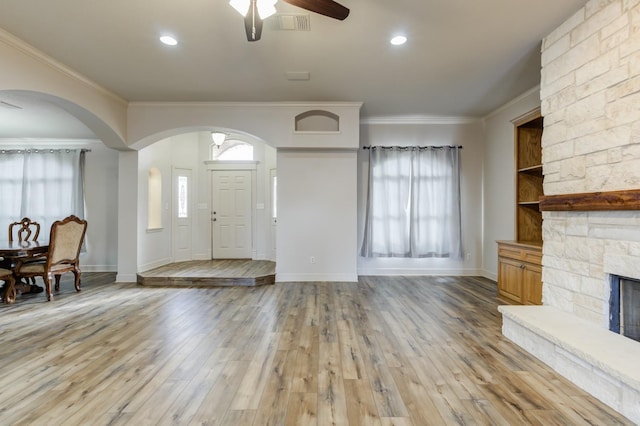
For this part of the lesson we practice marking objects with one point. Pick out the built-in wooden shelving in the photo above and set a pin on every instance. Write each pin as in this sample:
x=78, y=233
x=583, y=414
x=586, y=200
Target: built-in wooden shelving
x=528, y=153
x=519, y=261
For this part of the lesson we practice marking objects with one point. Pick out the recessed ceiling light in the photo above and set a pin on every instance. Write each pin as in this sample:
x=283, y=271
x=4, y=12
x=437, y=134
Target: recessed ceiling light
x=398, y=40
x=168, y=40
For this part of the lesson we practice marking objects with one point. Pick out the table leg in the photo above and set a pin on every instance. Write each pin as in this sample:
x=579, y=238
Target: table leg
x=9, y=292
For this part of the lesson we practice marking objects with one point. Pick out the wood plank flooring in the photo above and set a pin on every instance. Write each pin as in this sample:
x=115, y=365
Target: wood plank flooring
x=211, y=273
x=383, y=351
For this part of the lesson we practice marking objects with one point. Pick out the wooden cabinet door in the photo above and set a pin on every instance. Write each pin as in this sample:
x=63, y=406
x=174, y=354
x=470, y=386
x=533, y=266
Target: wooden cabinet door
x=510, y=281
x=532, y=279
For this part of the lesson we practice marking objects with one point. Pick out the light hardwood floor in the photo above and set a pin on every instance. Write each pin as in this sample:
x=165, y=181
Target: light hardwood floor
x=384, y=351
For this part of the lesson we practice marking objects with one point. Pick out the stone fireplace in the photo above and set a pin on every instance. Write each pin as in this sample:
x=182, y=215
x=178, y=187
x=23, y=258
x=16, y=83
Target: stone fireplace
x=582, y=250
x=590, y=100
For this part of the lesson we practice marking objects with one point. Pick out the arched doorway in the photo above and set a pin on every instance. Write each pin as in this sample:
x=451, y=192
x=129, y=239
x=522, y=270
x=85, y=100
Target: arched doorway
x=32, y=120
x=193, y=150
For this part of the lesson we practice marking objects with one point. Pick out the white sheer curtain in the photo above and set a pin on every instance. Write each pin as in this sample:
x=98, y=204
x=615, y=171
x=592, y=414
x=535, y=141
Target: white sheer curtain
x=44, y=185
x=413, y=205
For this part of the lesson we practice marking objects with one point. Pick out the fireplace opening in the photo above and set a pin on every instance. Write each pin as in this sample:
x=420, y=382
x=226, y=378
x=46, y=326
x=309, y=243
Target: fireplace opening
x=624, y=307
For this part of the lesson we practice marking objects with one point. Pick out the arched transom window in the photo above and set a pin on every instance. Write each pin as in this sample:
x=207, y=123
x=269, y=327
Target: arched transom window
x=232, y=150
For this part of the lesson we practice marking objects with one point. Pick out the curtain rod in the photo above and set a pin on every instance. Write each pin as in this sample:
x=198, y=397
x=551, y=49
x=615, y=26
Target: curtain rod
x=40, y=150
x=413, y=147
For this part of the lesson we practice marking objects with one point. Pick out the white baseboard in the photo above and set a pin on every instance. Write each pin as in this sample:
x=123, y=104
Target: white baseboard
x=98, y=268
x=420, y=271
x=126, y=278
x=202, y=256
x=154, y=264
x=316, y=277
x=489, y=275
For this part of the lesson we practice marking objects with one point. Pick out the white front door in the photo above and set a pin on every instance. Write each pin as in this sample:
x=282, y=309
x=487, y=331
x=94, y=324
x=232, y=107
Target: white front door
x=231, y=214
x=181, y=215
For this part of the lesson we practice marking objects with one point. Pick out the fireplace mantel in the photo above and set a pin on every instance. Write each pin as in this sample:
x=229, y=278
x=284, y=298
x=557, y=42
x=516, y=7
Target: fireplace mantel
x=592, y=201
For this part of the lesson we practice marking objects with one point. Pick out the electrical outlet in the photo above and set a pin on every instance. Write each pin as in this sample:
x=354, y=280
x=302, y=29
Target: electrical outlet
x=312, y=259
x=468, y=256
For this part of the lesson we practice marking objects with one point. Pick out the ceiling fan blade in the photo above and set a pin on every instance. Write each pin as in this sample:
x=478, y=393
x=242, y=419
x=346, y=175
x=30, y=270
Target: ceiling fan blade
x=324, y=7
x=253, y=23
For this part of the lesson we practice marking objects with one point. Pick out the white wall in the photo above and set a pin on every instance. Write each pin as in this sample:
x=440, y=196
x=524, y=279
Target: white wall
x=469, y=135
x=499, y=177
x=317, y=192
x=182, y=151
x=273, y=122
x=154, y=246
x=101, y=198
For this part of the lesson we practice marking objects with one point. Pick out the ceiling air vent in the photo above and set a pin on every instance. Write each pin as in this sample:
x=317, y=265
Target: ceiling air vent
x=290, y=22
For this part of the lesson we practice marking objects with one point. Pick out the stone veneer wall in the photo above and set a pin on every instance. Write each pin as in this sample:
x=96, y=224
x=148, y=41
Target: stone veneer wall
x=590, y=94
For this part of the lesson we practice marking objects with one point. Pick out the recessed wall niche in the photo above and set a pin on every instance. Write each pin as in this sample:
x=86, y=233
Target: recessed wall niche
x=317, y=120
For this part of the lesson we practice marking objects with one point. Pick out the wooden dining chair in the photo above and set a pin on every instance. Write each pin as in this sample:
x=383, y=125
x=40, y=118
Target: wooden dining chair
x=23, y=230
x=65, y=241
x=9, y=295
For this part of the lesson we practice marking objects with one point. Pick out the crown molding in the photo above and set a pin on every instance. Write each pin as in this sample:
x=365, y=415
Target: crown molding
x=512, y=102
x=47, y=142
x=421, y=120
x=283, y=104
x=20, y=45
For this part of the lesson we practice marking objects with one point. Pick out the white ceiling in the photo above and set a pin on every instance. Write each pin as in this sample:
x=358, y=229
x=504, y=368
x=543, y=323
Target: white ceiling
x=463, y=57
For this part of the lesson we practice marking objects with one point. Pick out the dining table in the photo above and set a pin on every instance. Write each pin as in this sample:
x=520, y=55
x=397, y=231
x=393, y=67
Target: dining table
x=14, y=251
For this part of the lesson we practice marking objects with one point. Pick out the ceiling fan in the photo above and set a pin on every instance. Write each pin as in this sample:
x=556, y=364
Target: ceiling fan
x=256, y=11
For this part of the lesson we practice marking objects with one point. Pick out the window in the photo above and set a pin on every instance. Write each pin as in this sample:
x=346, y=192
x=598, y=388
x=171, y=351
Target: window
x=154, y=213
x=274, y=196
x=413, y=205
x=44, y=185
x=183, y=194
x=232, y=150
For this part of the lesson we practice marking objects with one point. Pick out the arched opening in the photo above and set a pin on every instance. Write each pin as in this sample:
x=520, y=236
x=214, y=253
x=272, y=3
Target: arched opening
x=317, y=121
x=37, y=115
x=41, y=122
x=241, y=156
